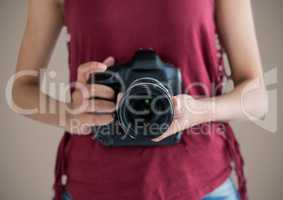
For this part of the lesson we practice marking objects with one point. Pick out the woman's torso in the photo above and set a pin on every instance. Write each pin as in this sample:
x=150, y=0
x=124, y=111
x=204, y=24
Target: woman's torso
x=183, y=33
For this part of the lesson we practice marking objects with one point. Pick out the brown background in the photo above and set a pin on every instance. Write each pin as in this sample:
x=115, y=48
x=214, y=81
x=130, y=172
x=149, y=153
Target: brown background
x=27, y=148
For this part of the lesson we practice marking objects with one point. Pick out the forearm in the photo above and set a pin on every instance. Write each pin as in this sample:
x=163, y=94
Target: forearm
x=247, y=101
x=28, y=100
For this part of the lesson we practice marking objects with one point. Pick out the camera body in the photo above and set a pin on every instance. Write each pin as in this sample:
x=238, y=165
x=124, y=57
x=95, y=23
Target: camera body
x=145, y=110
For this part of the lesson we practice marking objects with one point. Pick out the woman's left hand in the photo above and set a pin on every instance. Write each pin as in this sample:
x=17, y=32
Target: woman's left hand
x=187, y=113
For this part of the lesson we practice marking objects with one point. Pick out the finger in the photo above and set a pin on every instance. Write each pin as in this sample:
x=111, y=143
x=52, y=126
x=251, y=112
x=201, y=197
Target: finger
x=96, y=120
x=102, y=91
x=83, y=123
x=88, y=68
x=77, y=97
x=80, y=94
x=109, y=61
x=173, y=129
x=101, y=106
x=160, y=138
x=90, y=121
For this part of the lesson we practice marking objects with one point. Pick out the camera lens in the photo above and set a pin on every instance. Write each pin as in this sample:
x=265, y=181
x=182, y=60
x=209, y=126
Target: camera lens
x=146, y=109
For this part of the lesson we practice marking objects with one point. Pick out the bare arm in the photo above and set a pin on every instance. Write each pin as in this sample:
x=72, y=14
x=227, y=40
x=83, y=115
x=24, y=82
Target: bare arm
x=237, y=33
x=44, y=23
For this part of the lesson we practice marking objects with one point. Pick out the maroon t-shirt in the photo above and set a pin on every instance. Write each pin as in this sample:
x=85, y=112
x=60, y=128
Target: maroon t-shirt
x=183, y=33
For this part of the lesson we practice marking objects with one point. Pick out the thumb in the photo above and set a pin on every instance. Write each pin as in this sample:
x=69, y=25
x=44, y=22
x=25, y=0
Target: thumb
x=109, y=61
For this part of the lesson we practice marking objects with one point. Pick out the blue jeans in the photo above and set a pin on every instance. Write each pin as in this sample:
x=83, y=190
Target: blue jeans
x=227, y=191
x=66, y=196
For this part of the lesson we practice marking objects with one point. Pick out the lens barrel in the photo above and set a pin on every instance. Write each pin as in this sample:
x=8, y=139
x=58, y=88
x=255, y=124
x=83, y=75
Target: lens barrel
x=146, y=109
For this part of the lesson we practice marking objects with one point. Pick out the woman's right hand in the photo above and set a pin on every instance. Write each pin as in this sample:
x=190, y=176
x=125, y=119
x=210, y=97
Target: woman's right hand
x=86, y=110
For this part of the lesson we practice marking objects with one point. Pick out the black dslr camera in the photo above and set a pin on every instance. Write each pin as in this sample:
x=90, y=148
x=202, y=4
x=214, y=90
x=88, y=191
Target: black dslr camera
x=146, y=109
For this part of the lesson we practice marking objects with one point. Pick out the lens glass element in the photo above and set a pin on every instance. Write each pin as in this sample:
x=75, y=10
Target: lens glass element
x=146, y=109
